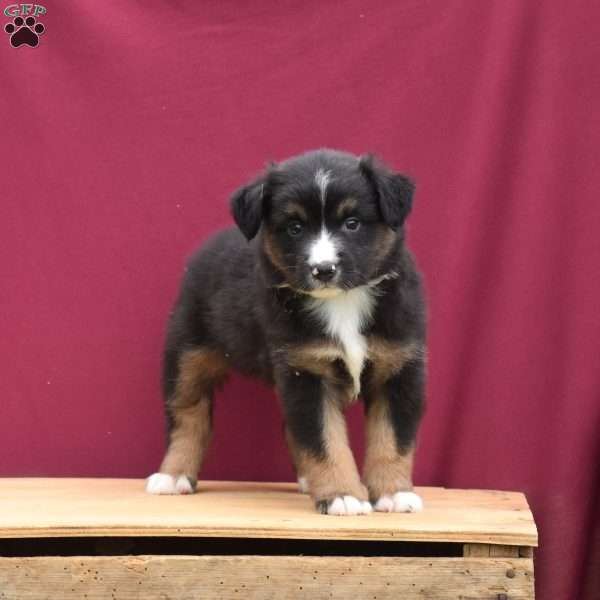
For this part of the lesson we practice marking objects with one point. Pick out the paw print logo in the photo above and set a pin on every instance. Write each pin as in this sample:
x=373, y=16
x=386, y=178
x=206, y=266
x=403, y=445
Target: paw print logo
x=24, y=31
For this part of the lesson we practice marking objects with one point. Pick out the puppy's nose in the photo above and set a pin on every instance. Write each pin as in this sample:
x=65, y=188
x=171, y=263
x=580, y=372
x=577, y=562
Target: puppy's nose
x=323, y=271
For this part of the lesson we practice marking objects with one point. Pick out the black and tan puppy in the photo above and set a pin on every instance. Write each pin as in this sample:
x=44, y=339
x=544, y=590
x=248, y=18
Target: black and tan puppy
x=318, y=296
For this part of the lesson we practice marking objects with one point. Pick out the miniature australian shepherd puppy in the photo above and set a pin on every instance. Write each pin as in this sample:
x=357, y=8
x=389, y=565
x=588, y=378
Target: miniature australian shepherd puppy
x=316, y=293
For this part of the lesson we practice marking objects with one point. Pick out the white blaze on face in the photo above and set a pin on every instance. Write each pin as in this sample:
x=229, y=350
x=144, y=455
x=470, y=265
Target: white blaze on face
x=344, y=314
x=322, y=179
x=323, y=249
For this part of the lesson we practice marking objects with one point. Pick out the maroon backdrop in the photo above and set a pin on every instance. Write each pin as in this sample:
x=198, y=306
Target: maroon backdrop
x=125, y=131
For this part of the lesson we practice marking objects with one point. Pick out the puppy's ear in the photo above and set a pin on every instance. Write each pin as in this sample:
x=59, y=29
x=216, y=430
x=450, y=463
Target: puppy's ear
x=247, y=207
x=394, y=191
x=248, y=204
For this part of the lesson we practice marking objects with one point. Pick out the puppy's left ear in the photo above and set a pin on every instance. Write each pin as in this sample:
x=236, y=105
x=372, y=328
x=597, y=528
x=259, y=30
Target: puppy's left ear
x=394, y=191
x=248, y=204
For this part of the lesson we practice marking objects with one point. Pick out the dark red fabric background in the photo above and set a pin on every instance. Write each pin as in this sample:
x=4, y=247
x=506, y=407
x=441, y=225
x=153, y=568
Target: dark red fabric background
x=125, y=131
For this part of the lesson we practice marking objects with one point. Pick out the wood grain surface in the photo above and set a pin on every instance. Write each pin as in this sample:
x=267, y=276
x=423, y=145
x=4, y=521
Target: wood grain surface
x=264, y=577
x=120, y=507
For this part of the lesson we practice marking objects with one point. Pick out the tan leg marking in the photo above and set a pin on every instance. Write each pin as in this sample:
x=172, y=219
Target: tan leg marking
x=189, y=439
x=337, y=474
x=386, y=470
x=199, y=372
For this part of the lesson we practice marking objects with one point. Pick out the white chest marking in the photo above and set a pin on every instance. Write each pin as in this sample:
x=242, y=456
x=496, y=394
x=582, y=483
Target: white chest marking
x=344, y=317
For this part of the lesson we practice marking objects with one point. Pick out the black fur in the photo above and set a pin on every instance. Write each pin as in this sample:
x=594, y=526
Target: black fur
x=403, y=394
x=303, y=408
x=394, y=191
x=245, y=293
x=247, y=207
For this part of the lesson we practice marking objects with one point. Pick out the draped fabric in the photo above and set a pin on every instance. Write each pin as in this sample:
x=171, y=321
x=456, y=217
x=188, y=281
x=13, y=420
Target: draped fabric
x=124, y=132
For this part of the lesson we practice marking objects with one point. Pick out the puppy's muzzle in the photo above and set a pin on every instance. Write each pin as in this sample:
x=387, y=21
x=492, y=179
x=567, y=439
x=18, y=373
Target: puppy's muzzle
x=324, y=271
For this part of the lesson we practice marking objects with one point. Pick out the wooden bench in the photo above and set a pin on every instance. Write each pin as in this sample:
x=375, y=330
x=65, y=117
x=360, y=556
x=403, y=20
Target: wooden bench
x=66, y=539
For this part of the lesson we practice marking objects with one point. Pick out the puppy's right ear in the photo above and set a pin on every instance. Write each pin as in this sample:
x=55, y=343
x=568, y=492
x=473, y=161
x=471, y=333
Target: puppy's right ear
x=247, y=206
x=394, y=191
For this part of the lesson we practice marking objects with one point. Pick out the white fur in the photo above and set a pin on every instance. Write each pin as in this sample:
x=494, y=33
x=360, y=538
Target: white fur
x=323, y=250
x=348, y=505
x=322, y=179
x=344, y=317
x=384, y=504
x=303, y=485
x=162, y=483
x=400, y=502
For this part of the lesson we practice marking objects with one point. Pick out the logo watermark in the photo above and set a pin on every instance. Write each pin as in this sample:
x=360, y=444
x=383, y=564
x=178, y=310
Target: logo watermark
x=25, y=29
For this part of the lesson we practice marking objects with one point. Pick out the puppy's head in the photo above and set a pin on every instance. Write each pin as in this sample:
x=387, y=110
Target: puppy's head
x=329, y=221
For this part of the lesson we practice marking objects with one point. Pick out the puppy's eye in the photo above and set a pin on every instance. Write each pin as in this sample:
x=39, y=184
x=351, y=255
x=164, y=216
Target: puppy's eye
x=294, y=228
x=351, y=224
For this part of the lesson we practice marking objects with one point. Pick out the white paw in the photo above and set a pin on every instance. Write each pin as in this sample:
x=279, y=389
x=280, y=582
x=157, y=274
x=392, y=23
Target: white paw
x=349, y=505
x=303, y=485
x=400, y=502
x=162, y=483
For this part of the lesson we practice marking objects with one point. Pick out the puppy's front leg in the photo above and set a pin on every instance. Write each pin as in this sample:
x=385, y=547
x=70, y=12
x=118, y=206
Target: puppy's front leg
x=394, y=409
x=317, y=431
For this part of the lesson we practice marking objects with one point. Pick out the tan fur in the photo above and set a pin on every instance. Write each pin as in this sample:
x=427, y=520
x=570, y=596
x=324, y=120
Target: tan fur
x=315, y=358
x=272, y=252
x=319, y=358
x=345, y=207
x=384, y=242
x=294, y=209
x=199, y=371
x=189, y=440
x=386, y=469
x=337, y=473
x=389, y=357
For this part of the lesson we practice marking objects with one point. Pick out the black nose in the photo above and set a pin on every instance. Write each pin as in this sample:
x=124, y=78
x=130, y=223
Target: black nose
x=323, y=271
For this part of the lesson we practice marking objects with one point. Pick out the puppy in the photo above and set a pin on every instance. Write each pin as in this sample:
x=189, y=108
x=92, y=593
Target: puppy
x=316, y=294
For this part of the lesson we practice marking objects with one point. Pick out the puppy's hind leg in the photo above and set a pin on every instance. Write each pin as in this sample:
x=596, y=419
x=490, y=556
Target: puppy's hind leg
x=188, y=409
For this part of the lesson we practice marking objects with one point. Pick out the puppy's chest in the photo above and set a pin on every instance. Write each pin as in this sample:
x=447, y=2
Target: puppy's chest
x=344, y=319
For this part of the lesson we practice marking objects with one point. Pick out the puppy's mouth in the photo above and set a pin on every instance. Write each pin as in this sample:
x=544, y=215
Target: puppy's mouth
x=335, y=287
x=324, y=280
x=312, y=285
x=326, y=291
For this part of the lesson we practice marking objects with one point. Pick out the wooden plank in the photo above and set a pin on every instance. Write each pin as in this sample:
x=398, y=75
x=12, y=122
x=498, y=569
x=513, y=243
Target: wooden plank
x=476, y=550
x=498, y=551
x=120, y=507
x=264, y=578
x=493, y=550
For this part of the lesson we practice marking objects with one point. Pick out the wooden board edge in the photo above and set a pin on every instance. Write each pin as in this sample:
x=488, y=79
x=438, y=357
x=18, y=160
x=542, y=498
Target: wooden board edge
x=275, y=533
